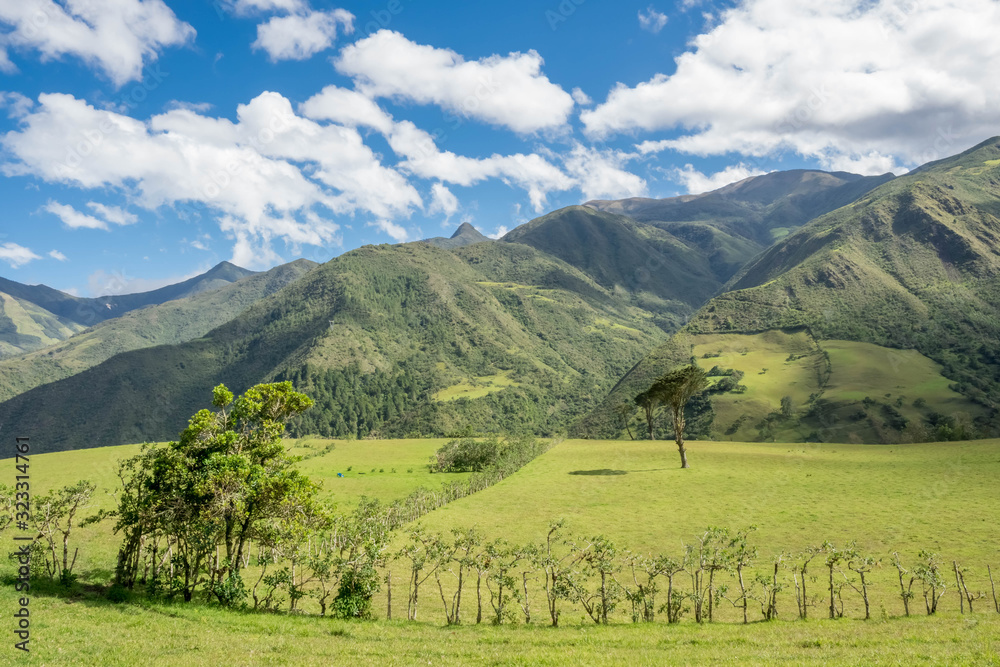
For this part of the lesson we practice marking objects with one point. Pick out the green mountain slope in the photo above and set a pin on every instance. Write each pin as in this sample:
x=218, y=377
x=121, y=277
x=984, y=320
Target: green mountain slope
x=168, y=323
x=910, y=268
x=387, y=340
x=734, y=223
x=658, y=271
x=90, y=311
x=25, y=326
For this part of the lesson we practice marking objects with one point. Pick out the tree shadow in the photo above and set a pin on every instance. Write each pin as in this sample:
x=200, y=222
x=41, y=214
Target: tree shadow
x=603, y=471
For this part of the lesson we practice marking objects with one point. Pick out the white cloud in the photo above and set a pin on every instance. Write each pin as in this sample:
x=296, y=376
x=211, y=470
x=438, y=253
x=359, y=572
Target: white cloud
x=698, y=183
x=442, y=201
x=113, y=213
x=16, y=255
x=73, y=218
x=301, y=36
x=6, y=66
x=245, y=7
x=652, y=20
x=17, y=105
x=531, y=172
x=581, y=98
x=599, y=174
x=347, y=107
x=507, y=91
x=261, y=176
x=397, y=232
x=55, y=254
x=832, y=81
x=115, y=36
x=498, y=232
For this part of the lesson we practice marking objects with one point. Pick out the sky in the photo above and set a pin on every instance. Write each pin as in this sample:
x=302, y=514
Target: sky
x=144, y=141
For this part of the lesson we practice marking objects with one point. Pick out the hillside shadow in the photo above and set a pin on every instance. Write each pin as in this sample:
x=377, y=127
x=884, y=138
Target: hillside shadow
x=603, y=471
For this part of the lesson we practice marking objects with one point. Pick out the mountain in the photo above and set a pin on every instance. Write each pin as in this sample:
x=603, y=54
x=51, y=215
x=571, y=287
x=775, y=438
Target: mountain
x=660, y=272
x=465, y=235
x=388, y=340
x=879, y=321
x=734, y=223
x=25, y=326
x=90, y=311
x=172, y=322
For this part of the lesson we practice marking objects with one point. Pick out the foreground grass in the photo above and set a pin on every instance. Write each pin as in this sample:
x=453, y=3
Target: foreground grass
x=87, y=631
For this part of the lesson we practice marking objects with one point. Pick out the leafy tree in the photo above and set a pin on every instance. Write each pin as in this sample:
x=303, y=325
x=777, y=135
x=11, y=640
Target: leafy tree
x=625, y=410
x=674, y=390
x=648, y=401
x=53, y=516
x=226, y=480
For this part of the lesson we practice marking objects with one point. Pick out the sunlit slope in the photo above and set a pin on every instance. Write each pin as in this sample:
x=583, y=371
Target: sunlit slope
x=912, y=265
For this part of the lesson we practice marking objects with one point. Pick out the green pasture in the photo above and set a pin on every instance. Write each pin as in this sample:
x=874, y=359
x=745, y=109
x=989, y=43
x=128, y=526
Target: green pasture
x=843, y=373
x=906, y=498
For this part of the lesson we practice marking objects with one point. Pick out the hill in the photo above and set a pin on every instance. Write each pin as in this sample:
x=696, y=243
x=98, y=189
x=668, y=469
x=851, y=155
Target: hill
x=388, y=340
x=733, y=224
x=465, y=235
x=90, y=311
x=25, y=326
x=909, y=269
x=171, y=322
x=658, y=271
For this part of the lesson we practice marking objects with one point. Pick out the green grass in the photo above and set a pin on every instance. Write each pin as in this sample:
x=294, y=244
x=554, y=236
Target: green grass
x=482, y=385
x=904, y=497
x=768, y=374
x=92, y=632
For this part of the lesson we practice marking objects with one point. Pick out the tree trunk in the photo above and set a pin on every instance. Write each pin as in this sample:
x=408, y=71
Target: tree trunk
x=388, y=590
x=679, y=435
x=994, y=589
x=958, y=587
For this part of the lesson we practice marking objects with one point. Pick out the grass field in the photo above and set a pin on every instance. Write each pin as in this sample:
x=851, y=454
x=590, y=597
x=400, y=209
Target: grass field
x=777, y=364
x=906, y=497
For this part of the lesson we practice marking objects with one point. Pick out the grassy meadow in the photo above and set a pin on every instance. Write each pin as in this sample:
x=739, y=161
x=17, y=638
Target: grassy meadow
x=939, y=496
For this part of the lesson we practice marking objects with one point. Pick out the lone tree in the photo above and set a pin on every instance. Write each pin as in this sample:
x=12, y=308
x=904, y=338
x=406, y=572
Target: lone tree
x=674, y=390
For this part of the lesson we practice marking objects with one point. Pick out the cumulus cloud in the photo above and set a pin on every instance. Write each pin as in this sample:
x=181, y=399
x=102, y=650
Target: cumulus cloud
x=652, y=20
x=600, y=174
x=397, y=232
x=117, y=37
x=262, y=175
x=347, y=107
x=16, y=255
x=6, y=66
x=16, y=104
x=831, y=81
x=113, y=213
x=245, y=7
x=508, y=91
x=423, y=158
x=581, y=98
x=698, y=183
x=73, y=218
x=55, y=254
x=442, y=200
x=498, y=232
x=301, y=36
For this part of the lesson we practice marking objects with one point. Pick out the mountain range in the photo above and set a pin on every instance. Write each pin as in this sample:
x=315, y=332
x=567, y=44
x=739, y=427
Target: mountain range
x=848, y=307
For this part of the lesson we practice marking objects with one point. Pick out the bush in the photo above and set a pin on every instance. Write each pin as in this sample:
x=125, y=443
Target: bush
x=468, y=455
x=354, y=595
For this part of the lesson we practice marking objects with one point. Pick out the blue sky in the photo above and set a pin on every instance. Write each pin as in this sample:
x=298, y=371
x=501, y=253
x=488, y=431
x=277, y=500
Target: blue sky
x=143, y=141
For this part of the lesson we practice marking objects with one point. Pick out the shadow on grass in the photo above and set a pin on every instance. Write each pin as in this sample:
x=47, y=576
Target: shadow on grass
x=603, y=471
